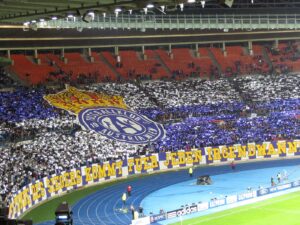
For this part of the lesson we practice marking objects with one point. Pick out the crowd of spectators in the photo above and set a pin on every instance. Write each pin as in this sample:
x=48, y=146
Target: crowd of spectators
x=55, y=151
x=228, y=130
x=60, y=76
x=195, y=113
x=56, y=142
x=134, y=96
x=267, y=88
x=191, y=92
x=24, y=104
x=5, y=79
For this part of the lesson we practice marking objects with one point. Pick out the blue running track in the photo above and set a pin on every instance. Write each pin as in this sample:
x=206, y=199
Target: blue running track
x=172, y=189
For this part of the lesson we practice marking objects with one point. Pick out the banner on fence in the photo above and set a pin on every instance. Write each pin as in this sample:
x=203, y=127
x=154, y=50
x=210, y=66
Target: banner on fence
x=55, y=184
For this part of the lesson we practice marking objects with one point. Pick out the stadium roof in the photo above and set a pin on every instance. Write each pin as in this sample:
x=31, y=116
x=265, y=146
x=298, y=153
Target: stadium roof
x=19, y=11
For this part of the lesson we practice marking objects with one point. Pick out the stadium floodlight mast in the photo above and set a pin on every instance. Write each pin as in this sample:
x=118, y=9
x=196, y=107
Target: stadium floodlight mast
x=92, y=14
x=26, y=26
x=181, y=5
x=88, y=16
x=149, y=5
x=161, y=9
x=42, y=23
x=117, y=11
x=145, y=10
x=71, y=17
x=202, y=3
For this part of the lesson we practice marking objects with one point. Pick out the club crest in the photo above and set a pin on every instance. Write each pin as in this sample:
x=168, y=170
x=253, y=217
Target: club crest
x=107, y=115
x=121, y=125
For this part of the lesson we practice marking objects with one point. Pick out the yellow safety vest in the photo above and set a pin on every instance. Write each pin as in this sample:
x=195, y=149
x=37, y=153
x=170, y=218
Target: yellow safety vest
x=124, y=197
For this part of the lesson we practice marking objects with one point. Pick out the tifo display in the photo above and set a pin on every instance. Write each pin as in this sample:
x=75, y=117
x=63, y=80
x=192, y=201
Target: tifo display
x=108, y=130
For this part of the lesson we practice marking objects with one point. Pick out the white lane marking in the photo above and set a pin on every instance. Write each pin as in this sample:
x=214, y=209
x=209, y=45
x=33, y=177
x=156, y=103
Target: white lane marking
x=243, y=210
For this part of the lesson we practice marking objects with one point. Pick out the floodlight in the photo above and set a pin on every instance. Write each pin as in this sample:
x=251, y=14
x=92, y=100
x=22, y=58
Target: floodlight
x=181, y=6
x=150, y=6
x=117, y=10
x=202, y=3
x=88, y=17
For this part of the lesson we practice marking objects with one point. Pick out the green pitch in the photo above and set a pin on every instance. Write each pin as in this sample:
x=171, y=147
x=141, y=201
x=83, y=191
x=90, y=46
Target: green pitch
x=283, y=210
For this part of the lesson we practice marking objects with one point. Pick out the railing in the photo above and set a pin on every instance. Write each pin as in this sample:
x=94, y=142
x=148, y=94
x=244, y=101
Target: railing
x=170, y=22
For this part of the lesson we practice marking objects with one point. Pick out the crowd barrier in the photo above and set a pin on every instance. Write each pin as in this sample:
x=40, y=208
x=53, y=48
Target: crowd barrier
x=56, y=184
x=202, y=206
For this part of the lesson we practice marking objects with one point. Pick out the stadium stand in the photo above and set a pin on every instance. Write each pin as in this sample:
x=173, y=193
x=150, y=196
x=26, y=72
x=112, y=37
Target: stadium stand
x=76, y=77
x=182, y=64
x=6, y=80
x=196, y=113
x=285, y=58
x=29, y=71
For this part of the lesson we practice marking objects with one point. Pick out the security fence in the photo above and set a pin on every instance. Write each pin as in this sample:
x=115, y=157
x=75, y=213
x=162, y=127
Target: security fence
x=171, y=22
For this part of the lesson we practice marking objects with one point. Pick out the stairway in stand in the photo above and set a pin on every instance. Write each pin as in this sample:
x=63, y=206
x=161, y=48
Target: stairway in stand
x=166, y=68
x=113, y=68
x=267, y=58
x=214, y=61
